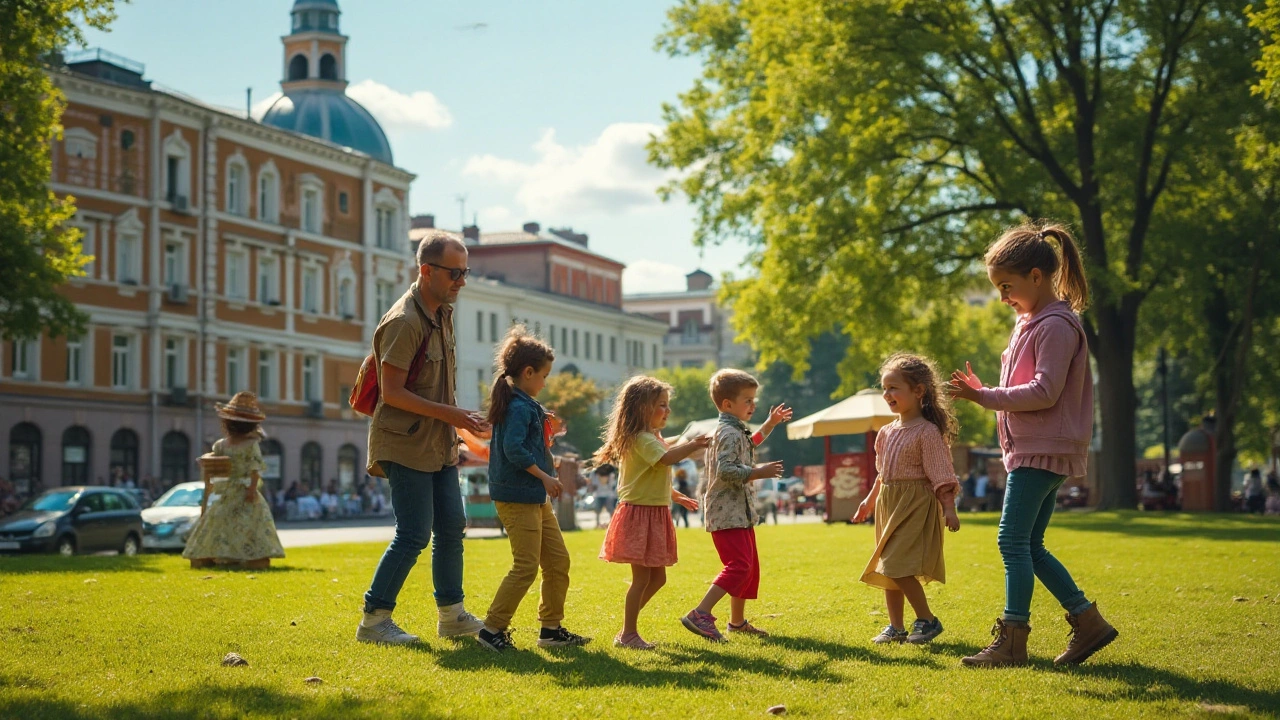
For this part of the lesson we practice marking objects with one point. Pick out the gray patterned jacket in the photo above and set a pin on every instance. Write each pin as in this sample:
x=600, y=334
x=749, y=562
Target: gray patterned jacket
x=729, y=501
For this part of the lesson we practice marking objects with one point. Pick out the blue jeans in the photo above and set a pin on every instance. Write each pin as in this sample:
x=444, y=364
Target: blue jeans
x=427, y=506
x=1030, y=497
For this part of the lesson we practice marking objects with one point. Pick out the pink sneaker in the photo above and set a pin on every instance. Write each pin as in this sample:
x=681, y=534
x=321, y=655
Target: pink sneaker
x=632, y=641
x=746, y=628
x=704, y=624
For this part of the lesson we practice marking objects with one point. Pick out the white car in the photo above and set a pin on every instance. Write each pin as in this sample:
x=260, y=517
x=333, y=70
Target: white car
x=166, y=524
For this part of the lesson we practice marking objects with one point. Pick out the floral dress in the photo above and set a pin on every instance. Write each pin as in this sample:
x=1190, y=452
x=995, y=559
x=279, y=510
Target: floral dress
x=231, y=528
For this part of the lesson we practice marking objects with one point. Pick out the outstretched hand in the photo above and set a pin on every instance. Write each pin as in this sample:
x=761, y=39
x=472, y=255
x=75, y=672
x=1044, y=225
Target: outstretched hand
x=779, y=414
x=687, y=502
x=965, y=385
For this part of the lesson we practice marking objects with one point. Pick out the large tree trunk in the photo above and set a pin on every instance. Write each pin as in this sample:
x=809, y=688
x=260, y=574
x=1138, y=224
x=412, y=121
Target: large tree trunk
x=1113, y=351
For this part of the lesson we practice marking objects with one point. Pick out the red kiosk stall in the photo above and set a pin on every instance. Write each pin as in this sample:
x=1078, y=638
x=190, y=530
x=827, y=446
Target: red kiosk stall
x=850, y=428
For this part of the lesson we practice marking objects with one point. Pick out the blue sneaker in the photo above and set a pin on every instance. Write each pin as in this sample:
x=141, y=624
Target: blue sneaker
x=922, y=631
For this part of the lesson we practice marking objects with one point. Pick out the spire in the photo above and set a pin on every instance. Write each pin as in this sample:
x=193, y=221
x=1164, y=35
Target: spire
x=315, y=52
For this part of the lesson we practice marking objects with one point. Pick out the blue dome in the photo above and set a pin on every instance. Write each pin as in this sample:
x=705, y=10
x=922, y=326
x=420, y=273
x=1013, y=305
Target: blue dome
x=330, y=115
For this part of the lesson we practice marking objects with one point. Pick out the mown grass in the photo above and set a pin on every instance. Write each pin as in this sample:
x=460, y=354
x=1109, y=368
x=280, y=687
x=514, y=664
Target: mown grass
x=1195, y=598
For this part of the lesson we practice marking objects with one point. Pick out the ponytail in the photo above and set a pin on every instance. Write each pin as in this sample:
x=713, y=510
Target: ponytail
x=517, y=351
x=1049, y=248
x=500, y=399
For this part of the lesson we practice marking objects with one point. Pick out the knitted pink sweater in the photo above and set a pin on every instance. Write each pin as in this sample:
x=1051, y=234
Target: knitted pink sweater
x=1044, y=402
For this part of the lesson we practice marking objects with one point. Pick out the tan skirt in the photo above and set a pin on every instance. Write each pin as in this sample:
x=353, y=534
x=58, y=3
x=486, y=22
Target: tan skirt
x=908, y=535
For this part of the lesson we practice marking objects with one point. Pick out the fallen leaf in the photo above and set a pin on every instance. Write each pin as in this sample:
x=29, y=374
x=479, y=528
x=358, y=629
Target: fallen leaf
x=293, y=623
x=234, y=660
x=1239, y=598
x=778, y=710
x=207, y=577
x=253, y=577
x=313, y=680
x=90, y=580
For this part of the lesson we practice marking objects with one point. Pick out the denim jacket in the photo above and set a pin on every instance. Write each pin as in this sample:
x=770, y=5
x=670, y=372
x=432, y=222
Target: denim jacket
x=517, y=443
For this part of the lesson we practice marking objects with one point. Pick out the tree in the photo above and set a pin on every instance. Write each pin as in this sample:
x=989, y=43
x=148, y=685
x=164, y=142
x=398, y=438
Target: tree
x=691, y=399
x=38, y=252
x=870, y=150
x=574, y=398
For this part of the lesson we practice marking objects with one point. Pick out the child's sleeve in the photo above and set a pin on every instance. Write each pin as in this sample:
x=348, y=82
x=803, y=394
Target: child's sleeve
x=519, y=418
x=1056, y=343
x=731, y=448
x=256, y=462
x=936, y=457
x=881, y=441
x=649, y=449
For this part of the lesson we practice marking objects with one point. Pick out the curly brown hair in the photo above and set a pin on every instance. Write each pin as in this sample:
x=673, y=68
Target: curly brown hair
x=935, y=404
x=632, y=408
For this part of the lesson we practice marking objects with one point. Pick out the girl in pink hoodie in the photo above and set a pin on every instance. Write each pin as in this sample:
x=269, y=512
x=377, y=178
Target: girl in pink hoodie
x=1044, y=416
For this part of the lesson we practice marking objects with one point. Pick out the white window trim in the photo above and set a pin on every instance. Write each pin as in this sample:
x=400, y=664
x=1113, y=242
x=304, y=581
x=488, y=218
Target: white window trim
x=311, y=267
x=86, y=358
x=32, y=357
x=183, y=271
x=129, y=226
x=88, y=244
x=242, y=253
x=133, y=360
x=237, y=161
x=319, y=377
x=271, y=211
x=177, y=146
x=267, y=258
x=243, y=353
x=79, y=138
x=179, y=381
x=305, y=183
x=273, y=373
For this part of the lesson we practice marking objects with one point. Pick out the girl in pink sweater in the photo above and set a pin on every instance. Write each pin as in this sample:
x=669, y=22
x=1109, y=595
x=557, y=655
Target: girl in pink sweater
x=1044, y=417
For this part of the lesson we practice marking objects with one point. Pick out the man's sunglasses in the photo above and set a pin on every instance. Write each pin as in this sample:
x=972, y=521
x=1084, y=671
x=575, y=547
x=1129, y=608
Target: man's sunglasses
x=455, y=274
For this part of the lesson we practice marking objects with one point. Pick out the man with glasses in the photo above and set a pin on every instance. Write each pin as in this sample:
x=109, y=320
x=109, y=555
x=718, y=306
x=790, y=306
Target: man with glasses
x=413, y=442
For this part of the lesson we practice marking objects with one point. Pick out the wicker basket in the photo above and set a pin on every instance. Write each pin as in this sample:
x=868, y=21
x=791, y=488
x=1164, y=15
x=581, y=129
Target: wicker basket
x=215, y=465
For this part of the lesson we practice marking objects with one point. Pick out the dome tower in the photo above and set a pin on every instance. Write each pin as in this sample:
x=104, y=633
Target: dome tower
x=315, y=100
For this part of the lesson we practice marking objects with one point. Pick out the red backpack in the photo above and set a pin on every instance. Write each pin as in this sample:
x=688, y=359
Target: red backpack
x=365, y=393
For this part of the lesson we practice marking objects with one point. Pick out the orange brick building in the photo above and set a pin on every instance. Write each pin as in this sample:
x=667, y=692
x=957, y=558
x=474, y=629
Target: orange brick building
x=228, y=255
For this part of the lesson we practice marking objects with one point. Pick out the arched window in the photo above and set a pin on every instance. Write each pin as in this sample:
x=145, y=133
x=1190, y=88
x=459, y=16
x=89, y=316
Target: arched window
x=75, y=456
x=175, y=457
x=328, y=67
x=273, y=458
x=312, y=464
x=348, y=461
x=124, y=454
x=24, y=456
x=298, y=67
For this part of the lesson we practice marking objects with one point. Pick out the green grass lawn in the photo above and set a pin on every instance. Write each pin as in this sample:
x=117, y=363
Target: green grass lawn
x=1196, y=599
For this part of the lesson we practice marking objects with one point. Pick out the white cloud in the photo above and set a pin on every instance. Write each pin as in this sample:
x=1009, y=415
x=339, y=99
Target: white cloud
x=650, y=276
x=420, y=109
x=610, y=175
x=495, y=218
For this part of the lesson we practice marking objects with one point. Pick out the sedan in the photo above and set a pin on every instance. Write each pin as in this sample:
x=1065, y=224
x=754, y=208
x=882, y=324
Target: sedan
x=70, y=520
x=166, y=524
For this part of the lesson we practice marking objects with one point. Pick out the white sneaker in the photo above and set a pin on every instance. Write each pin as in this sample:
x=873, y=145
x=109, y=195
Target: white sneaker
x=378, y=627
x=455, y=621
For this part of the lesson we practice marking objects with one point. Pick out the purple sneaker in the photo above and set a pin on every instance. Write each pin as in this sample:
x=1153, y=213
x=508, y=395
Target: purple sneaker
x=704, y=624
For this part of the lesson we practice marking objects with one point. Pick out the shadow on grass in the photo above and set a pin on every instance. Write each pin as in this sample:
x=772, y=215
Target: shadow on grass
x=22, y=700
x=1149, y=684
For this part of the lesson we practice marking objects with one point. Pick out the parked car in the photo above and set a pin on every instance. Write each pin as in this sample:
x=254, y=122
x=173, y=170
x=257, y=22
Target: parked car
x=773, y=495
x=70, y=520
x=166, y=524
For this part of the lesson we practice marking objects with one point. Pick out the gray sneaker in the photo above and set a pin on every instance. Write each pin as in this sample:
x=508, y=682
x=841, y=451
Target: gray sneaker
x=386, y=633
x=464, y=623
x=924, y=630
x=890, y=634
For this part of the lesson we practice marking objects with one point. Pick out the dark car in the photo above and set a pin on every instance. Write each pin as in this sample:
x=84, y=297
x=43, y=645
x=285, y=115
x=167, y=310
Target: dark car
x=72, y=520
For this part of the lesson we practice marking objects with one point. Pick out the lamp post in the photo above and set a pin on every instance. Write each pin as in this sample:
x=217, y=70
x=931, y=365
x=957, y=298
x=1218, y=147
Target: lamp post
x=1163, y=369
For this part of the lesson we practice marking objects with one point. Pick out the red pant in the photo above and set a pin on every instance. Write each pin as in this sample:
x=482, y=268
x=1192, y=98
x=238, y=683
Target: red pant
x=741, y=575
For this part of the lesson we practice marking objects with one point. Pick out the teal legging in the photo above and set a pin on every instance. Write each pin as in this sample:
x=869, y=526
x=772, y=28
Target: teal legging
x=1029, y=499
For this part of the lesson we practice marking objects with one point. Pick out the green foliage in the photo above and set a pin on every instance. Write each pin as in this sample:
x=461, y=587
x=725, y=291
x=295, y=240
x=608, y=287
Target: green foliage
x=37, y=251
x=868, y=151
x=575, y=399
x=691, y=399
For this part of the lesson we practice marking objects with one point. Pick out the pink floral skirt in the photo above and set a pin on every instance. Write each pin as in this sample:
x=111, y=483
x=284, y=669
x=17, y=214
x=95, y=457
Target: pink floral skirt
x=640, y=535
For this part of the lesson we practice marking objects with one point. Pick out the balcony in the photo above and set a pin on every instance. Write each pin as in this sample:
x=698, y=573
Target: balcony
x=119, y=183
x=682, y=339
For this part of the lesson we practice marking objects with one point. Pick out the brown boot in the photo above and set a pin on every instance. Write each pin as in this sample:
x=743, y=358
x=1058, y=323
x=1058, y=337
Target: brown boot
x=1089, y=634
x=1008, y=648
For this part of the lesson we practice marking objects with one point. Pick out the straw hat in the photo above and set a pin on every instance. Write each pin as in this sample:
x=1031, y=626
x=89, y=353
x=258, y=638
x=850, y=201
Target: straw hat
x=243, y=408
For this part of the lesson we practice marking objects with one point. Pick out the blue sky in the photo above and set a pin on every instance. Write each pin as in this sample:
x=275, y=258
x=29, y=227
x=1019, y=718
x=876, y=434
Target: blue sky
x=540, y=114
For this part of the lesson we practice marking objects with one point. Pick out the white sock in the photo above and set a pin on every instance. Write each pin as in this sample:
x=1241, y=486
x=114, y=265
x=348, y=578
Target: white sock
x=450, y=612
x=491, y=631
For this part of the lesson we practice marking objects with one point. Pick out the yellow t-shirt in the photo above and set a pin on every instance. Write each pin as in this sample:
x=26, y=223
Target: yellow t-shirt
x=642, y=479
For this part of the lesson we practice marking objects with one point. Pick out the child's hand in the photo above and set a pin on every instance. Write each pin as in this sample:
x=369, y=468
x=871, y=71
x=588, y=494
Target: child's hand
x=552, y=486
x=687, y=502
x=864, y=509
x=768, y=470
x=250, y=495
x=779, y=414
x=953, y=520
x=701, y=442
x=965, y=385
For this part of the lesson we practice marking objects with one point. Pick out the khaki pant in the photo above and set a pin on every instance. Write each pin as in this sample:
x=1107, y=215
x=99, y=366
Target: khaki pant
x=536, y=541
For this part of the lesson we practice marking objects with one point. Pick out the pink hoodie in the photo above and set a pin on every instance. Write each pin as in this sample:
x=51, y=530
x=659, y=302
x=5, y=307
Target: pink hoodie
x=1044, y=402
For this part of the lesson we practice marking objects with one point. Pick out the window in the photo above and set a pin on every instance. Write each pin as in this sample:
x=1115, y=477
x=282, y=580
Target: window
x=386, y=227
x=564, y=339
x=479, y=326
x=121, y=362
x=75, y=456
x=311, y=289
x=124, y=454
x=128, y=258
x=89, y=247
x=75, y=361
x=551, y=337
x=268, y=279
x=385, y=294
x=268, y=196
x=80, y=143
x=587, y=344
x=575, y=343
x=273, y=458
x=347, y=298
x=655, y=356
x=344, y=203
x=175, y=375
x=25, y=443
x=235, y=370
x=235, y=281
x=328, y=65
x=312, y=464
x=298, y=66
x=237, y=188
x=311, y=210
x=174, y=270
x=599, y=346
x=311, y=378
x=266, y=374
x=690, y=332
x=348, y=461
x=23, y=359
x=175, y=457
x=493, y=327
x=177, y=178
x=613, y=349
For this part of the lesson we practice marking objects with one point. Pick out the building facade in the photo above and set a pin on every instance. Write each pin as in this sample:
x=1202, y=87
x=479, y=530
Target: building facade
x=228, y=255
x=698, y=328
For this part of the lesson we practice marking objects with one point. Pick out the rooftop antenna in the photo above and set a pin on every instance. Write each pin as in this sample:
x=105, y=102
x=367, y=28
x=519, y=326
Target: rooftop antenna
x=462, y=210
x=248, y=103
